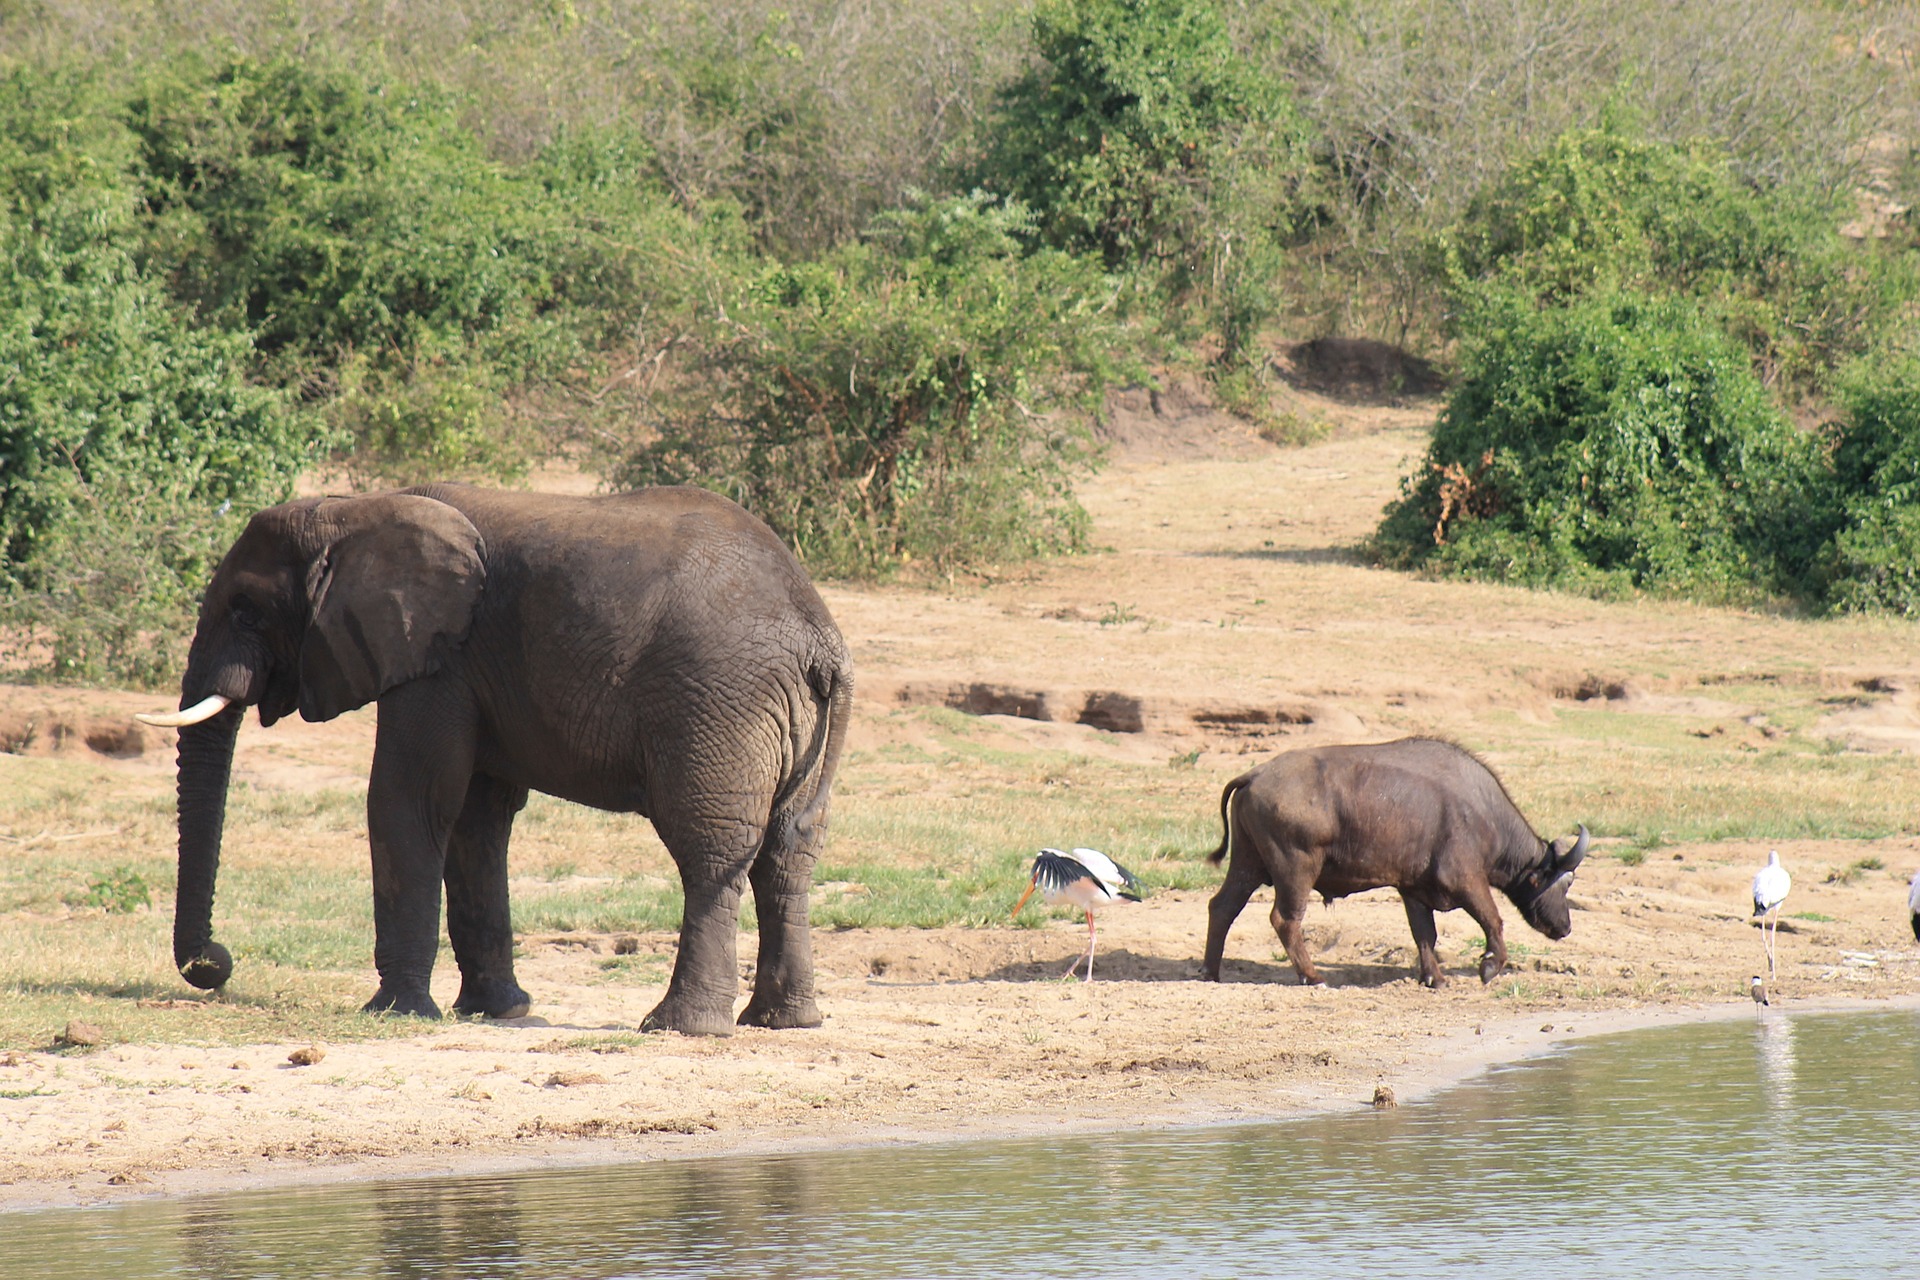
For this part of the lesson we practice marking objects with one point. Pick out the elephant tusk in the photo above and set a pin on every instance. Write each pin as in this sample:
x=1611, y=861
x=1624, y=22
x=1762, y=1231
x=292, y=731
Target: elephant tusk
x=205, y=709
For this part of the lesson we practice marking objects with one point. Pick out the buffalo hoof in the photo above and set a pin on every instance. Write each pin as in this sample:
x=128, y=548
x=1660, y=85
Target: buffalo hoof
x=780, y=1017
x=1209, y=975
x=413, y=1004
x=1490, y=969
x=499, y=1000
x=1433, y=981
x=688, y=1019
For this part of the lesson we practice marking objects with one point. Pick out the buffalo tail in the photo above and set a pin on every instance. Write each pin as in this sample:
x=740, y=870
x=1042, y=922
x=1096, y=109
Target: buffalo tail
x=1226, y=820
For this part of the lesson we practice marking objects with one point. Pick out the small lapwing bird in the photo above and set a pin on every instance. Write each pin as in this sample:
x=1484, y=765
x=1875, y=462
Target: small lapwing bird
x=1770, y=888
x=1085, y=878
x=1913, y=904
x=1759, y=995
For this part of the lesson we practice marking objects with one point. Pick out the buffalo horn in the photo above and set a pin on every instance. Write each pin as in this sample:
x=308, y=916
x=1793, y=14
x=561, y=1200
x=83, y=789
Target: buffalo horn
x=1572, y=857
x=205, y=709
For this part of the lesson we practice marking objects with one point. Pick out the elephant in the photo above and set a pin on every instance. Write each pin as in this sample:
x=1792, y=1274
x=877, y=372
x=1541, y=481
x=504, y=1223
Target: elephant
x=659, y=652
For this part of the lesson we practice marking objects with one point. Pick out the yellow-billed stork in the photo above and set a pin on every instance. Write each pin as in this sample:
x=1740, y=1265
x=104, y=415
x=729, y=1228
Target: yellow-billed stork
x=1770, y=887
x=1086, y=878
x=1913, y=903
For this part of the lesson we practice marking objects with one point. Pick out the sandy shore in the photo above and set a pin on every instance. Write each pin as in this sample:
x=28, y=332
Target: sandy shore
x=963, y=1033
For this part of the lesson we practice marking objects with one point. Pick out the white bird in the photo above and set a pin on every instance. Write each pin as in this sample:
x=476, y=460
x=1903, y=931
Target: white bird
x=1086, y=878
x=1913, y=904
x=1759, y=995
x=1770, y=888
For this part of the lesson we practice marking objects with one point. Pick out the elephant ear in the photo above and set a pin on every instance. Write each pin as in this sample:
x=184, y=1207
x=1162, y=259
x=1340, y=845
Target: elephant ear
x=396, y=580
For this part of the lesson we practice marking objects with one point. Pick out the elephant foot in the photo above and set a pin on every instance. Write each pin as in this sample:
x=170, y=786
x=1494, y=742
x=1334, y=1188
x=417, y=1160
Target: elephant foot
x=688, y=1019
x=492, y=1000
x=416, y=1004
x=782, y=1015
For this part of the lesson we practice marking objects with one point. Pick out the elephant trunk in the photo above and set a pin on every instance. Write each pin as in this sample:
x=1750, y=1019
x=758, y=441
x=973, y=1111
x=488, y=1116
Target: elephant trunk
x=206, y=763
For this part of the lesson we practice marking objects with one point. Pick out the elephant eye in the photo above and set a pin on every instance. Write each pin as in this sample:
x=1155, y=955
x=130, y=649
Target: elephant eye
x=246, y=614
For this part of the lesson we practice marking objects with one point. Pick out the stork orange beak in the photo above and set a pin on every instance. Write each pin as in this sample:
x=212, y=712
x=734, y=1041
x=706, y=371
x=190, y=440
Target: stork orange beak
x=1031, y=886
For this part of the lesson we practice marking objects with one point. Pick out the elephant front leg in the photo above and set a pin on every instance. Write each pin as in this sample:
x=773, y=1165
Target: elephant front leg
x=479, y=923
x=406, y=928
x=422, y=763
x=783, y=974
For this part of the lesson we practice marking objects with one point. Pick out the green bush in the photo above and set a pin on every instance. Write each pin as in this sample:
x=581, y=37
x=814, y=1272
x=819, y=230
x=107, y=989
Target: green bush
x=357, y=232
x=890, y=402
x=1604, y=209
x=1149, y=139
x=1617, y=443
x=127, y=439
x=1873, y=563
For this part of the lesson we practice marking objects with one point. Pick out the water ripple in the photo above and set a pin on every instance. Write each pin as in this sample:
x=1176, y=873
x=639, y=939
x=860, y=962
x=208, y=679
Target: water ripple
x=1777, y=1147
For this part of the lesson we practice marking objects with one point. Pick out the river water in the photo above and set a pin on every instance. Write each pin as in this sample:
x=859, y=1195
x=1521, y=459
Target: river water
x=1775, y=1146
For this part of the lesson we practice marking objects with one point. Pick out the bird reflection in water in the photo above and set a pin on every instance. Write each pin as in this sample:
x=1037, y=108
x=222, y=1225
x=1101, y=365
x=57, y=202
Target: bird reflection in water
x=1774, y=1040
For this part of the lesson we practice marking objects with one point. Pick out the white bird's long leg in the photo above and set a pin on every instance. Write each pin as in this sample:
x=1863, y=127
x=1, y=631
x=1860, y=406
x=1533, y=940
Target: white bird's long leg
x=1088, y=957
x=1090, y=936
x=1768, y=927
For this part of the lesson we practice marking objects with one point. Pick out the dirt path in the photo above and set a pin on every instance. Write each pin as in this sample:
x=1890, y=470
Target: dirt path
x=1228, y=618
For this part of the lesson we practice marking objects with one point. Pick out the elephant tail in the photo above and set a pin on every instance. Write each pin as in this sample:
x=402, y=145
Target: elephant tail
x=1226, y=818
x=830, y=677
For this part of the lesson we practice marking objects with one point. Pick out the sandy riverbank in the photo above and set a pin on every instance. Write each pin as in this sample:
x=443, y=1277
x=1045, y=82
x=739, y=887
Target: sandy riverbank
x=966, y=1033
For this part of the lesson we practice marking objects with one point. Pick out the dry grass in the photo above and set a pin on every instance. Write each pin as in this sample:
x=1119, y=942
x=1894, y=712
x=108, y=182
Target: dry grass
x=1657, y=725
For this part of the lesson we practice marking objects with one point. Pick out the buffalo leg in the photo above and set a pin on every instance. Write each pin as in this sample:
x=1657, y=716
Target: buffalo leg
x=1426, y=937
x=1293, y=936
x=1289, y=921
x=1479, y=905
x=1242, y=879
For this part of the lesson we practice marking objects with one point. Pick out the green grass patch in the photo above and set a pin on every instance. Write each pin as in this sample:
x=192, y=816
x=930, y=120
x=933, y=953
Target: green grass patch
x=1855, y=870
x=1646, y=778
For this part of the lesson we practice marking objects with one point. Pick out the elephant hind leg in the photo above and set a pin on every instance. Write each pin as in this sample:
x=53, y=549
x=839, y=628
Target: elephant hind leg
x=713, y=858
x=782, y=876
x=479, y=922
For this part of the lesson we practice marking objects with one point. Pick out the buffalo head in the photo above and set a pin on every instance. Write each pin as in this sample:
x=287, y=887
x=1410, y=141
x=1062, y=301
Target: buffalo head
x=1542, y=894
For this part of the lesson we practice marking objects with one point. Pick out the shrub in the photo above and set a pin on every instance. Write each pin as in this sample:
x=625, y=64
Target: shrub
x=1617, y=443
x=382, y=264
x=1603, y=209
x=1873, y=563
x=888, y=403
x=1149, y=139
x=126, y=434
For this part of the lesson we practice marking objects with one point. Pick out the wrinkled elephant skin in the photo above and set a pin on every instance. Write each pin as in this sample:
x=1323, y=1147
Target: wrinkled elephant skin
x=657, y=652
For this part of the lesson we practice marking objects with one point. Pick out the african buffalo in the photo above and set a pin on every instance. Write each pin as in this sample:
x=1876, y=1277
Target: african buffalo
x=1420, y=815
